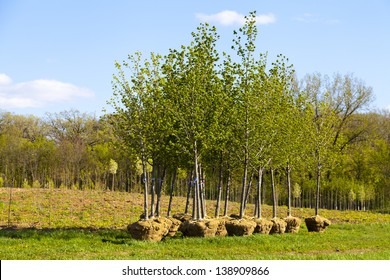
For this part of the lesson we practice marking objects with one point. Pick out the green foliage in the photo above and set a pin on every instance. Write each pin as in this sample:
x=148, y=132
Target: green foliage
x=113, y=166
x=36, y=184
x=297, y=191
x=25, y=184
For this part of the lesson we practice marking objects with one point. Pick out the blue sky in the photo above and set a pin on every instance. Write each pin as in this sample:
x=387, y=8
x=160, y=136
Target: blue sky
x=58, y=55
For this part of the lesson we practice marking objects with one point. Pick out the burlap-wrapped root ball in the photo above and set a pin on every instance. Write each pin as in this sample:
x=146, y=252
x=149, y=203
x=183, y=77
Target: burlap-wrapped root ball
x=278, y=227
x=263, y=226
x=221, y=230
x=174, y=226
x=317, y=223
x=293, y=224
x=182, y=217
x=150, y=230
x=203, y=228
x=240, y=227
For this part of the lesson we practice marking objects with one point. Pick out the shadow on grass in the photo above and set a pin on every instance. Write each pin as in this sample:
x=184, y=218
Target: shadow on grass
x=114, y=236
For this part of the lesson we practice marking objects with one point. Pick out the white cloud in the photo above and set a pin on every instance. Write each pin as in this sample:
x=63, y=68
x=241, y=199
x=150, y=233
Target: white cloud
x=307, y=17
x=228, y=17
x=38, y=93
x=4, y=79
x=312, y=18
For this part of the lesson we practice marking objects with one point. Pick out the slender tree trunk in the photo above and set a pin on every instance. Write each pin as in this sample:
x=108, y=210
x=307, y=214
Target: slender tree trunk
x=9, y=204
x=288, y=171
x=274, y=201
x=248, y=190
x=171, y=192
x=202, y=199
x=243, y=188
x=219, y=187
x=317, y=206
x=153, y=189
x=190, y=184
x=227, y=192
x=160, y=181
x=258, y=196
x=145, y=185
x=196, y=215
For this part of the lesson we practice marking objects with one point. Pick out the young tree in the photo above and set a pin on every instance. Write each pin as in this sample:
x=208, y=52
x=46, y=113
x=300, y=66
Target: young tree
x=192, y=88
x=249, y=73
x=321, y=122
x=113, y=167
x=131, y=102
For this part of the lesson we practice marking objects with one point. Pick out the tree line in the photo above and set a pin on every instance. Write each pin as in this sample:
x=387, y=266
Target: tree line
x=226, y=126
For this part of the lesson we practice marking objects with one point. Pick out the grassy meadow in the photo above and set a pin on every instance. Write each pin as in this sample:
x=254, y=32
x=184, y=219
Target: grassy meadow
x=73, y=224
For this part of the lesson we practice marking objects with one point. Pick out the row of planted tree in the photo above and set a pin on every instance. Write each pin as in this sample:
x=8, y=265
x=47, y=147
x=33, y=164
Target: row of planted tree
x=210, y=125
x=200, y=110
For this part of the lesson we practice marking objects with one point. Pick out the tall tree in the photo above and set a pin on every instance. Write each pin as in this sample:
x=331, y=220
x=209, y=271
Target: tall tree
x=132, y=102
x=192, y=86
x=248, y=72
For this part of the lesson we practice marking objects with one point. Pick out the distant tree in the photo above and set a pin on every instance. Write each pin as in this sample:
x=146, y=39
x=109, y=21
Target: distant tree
x=113, y=167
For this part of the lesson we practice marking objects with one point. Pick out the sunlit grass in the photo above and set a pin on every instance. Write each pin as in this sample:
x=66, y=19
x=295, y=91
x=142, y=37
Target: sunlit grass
x=62, y=208
x=360, y=241
x=73, y=224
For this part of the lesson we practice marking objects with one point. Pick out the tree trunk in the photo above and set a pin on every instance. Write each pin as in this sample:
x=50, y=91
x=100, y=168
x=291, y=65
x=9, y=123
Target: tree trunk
x=248, y=190
x=243, y=188
x=274, y=202
x=227, y=192
x=171, y=192
x=288, y=171
x=202, y=199
x=190, y=183
x=153, y=189
x=219, y=187
x=145, y=184
x=317, y=206
x=258, y=196
x=160, y=181
x=196, y=214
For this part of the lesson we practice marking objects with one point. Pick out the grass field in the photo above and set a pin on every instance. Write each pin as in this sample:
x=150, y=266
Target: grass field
x=67, y=224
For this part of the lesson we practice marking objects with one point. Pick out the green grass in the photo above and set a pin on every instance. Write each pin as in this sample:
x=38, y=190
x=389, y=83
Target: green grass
x=346, y=242
x=62, y=208
x=73, y=224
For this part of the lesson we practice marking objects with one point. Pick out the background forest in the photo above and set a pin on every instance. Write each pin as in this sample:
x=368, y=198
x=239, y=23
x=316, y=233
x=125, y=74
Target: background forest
x=237, y=126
